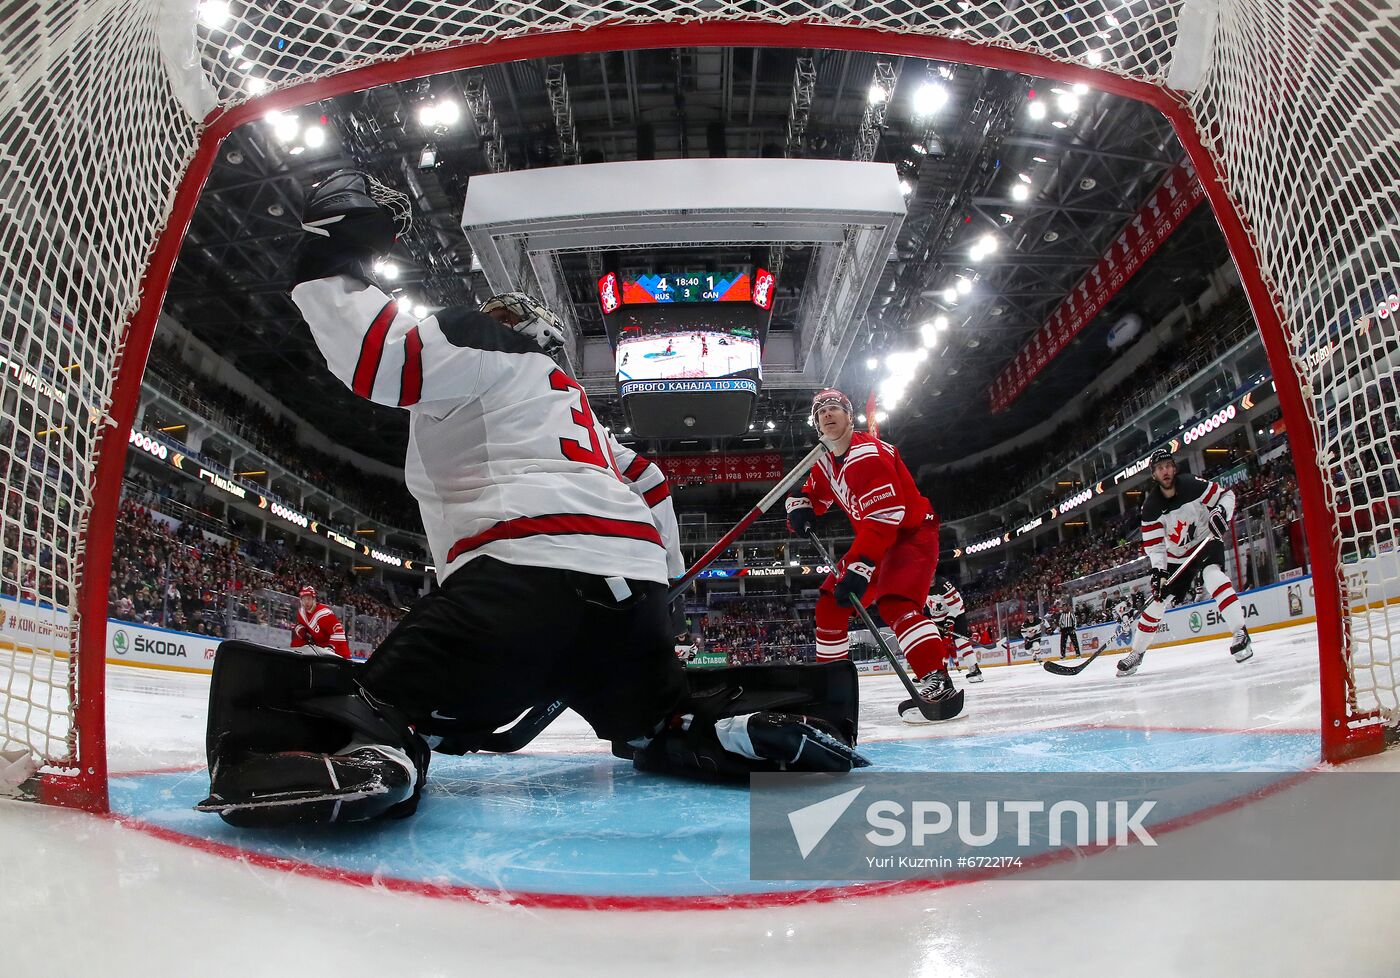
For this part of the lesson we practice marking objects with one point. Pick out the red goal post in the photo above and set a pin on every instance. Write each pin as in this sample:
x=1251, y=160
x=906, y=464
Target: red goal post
x=112, y=114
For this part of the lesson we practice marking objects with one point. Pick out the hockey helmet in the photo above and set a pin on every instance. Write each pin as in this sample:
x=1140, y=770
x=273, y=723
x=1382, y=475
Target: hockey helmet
x=308, y=591
x=1160, y=455
x=827, y=397
x=533, y=320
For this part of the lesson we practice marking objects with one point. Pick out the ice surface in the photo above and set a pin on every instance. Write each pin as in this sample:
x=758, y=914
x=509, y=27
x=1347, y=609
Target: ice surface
x=77, y=892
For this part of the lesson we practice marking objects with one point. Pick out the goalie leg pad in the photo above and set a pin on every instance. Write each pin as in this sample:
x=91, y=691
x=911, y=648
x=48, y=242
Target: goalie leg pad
x=286, y=729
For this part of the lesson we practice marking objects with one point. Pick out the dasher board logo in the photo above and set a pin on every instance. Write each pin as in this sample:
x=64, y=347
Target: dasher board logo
x=1194, y=622
x=120, y=642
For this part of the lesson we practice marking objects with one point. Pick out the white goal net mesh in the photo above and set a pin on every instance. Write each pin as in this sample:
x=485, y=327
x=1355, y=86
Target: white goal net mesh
x=100, y=109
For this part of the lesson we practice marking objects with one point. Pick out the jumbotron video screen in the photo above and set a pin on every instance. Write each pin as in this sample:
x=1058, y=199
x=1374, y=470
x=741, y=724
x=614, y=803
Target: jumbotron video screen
x=688, y=347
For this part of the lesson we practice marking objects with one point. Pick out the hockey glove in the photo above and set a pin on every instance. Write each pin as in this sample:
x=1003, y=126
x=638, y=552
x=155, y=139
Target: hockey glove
x=529, y=317
x=1219, y=525
x=1159, y=584
x=801, y=517
x=349, y=218
x=851, y=588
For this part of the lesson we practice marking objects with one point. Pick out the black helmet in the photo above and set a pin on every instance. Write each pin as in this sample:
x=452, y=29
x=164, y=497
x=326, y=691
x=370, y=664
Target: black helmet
x=1160, y=455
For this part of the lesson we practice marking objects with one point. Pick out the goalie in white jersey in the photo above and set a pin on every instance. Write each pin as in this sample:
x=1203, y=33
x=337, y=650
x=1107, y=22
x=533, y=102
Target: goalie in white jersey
x=553, y=544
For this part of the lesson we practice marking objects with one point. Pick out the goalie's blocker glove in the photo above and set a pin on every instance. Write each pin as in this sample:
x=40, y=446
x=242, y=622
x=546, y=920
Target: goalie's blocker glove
x=349, y=219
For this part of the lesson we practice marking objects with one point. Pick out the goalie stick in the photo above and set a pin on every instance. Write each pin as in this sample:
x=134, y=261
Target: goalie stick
x=1057, y=669
x=942, y=710
x=533, y=723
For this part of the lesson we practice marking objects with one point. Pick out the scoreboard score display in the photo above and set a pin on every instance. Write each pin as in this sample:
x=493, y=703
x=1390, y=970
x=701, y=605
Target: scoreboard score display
x=615, y=291
x=687, y=287
x=688, y=347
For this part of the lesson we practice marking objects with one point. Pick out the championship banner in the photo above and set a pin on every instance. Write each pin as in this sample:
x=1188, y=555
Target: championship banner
x=1166, y=209
x=721, y=467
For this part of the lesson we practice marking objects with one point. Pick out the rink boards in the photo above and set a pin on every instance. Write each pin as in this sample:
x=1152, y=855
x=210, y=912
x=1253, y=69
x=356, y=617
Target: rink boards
x=29, y=627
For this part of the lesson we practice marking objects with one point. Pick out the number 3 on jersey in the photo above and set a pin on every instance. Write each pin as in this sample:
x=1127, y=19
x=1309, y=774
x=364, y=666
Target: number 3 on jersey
x=577, y=451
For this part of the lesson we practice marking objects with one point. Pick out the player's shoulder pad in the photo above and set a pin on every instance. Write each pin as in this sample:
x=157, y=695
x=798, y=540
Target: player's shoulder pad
x=1189, y=488
x=465, y=327
x=1153, y=503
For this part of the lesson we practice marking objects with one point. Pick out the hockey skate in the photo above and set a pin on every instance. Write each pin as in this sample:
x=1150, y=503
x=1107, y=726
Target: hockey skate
x=1242, y=646
x=937, y=700
x=1129, y=663
x=974, y=675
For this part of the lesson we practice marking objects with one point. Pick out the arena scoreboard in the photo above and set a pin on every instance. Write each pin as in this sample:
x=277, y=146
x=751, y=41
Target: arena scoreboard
x=663, y=288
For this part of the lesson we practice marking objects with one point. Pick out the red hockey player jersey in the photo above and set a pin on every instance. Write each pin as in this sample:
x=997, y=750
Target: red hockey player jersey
x=873, y=485
x=505, y=456
x=322, y=629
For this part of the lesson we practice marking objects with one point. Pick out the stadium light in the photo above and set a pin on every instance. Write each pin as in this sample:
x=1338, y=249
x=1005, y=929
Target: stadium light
x=928, y=333
x=877, y=94
x=881, y=417
x=1036, y=110
x=964, y=285
x=314, y=137
x=1080, y=89
x=929, y=98
x=1068, y=103
x=872, y=363
x=214, y=13
x=906, y=188
x=1020, y=192
x=950, y=294
x=770, y=426
x=256, y=86
x=420, y=312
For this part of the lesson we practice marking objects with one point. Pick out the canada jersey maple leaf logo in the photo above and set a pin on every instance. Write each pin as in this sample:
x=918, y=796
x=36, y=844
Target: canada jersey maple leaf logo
x=1178, y=531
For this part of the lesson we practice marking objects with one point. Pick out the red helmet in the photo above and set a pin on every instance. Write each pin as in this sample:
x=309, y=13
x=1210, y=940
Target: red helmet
x=830, y=396
x=308, y=591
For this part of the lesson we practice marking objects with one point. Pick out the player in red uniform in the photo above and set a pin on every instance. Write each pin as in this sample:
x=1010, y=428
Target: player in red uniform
x=318, y=627
x=892, y=561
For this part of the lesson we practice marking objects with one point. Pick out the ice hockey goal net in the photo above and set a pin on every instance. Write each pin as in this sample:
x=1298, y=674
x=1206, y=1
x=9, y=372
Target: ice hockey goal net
x=111, y=112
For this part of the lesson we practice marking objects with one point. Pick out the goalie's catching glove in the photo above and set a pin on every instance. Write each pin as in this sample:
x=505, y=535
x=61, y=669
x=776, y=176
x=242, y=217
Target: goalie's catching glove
x=349, y=219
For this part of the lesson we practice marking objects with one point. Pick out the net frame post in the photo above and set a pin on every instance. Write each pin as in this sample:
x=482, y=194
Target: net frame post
x=1343, y=736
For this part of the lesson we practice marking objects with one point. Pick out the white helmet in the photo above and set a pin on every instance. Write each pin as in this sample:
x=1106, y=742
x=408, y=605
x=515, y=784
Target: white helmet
x=534, y=319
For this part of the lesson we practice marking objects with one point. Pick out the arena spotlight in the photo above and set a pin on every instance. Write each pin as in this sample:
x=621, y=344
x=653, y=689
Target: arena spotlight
x=929, y=98
x=214, y=13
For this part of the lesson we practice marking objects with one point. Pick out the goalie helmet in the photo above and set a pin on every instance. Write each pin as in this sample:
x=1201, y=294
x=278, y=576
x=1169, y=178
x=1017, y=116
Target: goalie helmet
x=533, y=320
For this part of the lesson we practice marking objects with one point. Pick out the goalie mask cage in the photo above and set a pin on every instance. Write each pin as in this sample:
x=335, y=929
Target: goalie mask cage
x=112, y=111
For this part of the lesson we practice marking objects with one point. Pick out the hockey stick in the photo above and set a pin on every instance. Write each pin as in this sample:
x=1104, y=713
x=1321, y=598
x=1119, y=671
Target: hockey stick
x=944, y=710
x=1059, y=670
x=798, y=473
x=528, y=727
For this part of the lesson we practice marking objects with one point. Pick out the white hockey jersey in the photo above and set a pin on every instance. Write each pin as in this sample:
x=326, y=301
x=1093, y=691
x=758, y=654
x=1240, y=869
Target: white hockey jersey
x=504, y=456
x=945, y=602
x=1173, y=526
